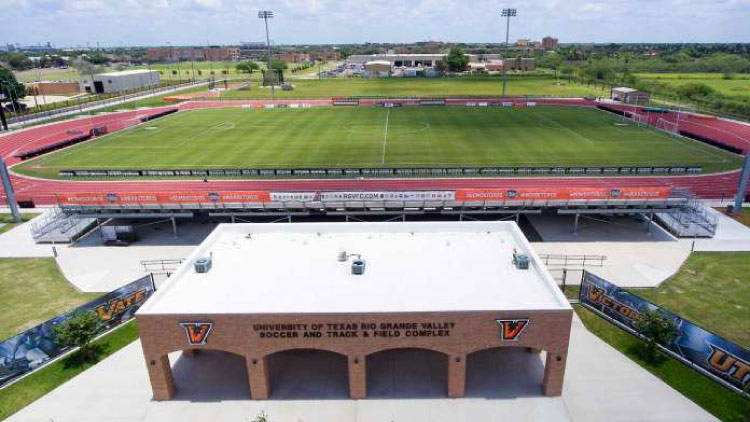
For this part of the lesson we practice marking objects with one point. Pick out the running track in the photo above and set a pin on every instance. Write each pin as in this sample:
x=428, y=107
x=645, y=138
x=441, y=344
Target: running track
x=42, y=192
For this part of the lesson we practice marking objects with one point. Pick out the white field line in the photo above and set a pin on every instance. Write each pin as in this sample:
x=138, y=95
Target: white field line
x=385, y=136
x=563, y=127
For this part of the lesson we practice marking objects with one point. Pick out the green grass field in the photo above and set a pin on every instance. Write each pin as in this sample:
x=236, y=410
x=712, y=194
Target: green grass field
x=706, y=393
x=34, y=290
x=376, y=137
x=710, y=289
x=737, y=86
x=424, y=87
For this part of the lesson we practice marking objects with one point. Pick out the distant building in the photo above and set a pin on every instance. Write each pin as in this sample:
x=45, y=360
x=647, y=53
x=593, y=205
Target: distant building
x=117, y=82
x=169, y=54
x=377, y=68
x=405, y=60
x=328, y=56
x=253, y=50
x=549, y=43
x=630, y=95
x=288, y=57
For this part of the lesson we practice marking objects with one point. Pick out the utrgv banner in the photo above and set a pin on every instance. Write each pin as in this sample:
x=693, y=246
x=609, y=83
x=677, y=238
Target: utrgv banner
x=703, y=348
x=34, y=347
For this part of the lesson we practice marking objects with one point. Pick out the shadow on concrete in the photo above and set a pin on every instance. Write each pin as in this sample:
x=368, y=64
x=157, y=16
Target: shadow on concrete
x=210, y=376
x=504, y=373
x=157, y=233
x=597, y=228
x=500, y=373
x=308, y=374
x=407, y=374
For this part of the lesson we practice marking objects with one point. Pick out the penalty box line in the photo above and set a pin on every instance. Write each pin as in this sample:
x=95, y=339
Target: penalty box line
x=385, y=135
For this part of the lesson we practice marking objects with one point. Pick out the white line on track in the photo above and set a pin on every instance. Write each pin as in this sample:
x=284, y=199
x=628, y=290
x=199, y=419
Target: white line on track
x=385, y=137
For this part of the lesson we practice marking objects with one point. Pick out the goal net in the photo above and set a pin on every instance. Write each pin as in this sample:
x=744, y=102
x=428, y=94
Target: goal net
x=668, y=126
x=684, y=111
x=640, y=119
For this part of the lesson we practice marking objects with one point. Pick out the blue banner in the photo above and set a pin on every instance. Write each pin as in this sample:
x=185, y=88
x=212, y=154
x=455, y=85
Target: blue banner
x=701, y=347
x=36, y=346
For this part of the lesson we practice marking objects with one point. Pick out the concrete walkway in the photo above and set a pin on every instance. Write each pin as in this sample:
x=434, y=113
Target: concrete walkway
x=731, y=236
x=600, y=385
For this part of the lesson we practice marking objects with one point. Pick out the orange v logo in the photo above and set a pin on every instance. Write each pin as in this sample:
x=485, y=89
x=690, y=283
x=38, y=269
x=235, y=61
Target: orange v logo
x=510, y=329
x=196, y=332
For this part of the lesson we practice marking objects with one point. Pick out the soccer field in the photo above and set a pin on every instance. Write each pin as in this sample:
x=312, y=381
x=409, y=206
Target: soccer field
x=384, y=137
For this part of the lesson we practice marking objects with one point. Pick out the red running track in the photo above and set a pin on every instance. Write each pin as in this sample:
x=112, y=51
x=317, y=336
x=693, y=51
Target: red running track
x=42, y=192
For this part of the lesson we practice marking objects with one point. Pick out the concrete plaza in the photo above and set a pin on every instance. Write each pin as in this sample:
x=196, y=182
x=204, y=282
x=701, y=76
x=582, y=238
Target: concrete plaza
x=600, y=384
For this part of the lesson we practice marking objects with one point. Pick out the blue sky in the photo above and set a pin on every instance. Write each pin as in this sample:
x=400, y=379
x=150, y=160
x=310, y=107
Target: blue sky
x=182, y=22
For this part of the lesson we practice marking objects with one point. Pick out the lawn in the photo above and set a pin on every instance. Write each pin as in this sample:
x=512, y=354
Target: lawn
x=25, y=391
x=34, y=290
x=424, y=87
x=373, y=137
x=7, y=220
x=738, y=86
x=712, y=289
x=743, y=216
x=719, y=401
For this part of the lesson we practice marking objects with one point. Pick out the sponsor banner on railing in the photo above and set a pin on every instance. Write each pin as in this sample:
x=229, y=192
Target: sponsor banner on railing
x=703, y=348
x=553, y=194
x=166, y=198
x=36, y=346
x=468, y=195
x=448, y=195
x=304, y=173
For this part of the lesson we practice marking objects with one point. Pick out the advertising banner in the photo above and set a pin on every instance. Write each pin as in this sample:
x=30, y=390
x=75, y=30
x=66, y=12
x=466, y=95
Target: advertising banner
x=322, y=196
x=370, y=172
x=36, y=346
x=551, y=194
x=164, y=198
x=716, y=355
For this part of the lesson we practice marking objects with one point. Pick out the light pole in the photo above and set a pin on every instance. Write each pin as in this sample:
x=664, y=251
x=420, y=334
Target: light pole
x=266, y=15
x=507, y=14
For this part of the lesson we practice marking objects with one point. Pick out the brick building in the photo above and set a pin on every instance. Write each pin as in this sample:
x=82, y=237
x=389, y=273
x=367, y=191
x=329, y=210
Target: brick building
x=549, y=43
x=169, y=54
x=353, y=292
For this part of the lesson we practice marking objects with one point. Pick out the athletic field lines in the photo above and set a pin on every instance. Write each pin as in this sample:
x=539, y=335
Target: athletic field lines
x=332, y=137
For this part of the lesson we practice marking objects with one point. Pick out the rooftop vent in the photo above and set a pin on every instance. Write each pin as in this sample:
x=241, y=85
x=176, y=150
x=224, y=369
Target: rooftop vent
x=358, y=267
x=203, y=265
x=520, y=260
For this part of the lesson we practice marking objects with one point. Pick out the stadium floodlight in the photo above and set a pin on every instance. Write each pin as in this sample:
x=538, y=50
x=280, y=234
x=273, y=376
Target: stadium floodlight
x=266, y=15
x=507, y=14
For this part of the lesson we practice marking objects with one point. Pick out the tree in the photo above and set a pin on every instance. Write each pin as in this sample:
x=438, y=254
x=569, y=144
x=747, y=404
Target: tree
x=658, y=328
x=247, y=66
x=9, y=86
x=78, y=331
x=17, y=61
x=98, y=59
x=440, y=66
x=278, y=64
x=85, y=67
x=456, y=60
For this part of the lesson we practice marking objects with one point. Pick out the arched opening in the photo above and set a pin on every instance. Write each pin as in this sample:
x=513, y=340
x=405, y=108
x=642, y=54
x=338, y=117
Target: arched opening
x=209, y=375
x=504, y=372
x=308, y=374
x=407, y=373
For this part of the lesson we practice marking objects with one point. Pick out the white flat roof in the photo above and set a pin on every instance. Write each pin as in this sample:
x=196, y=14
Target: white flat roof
x=410, y=267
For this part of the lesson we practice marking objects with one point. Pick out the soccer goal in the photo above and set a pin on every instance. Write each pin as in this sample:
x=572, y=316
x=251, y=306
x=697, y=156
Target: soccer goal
x=684, y=111
x=640, y=120
x=668, y=126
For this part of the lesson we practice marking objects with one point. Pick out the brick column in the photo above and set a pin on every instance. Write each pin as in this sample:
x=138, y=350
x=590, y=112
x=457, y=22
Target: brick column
x=357, y=377
x=456, y=375
x=554, y=372
x=257, y=373
x=160, y=373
